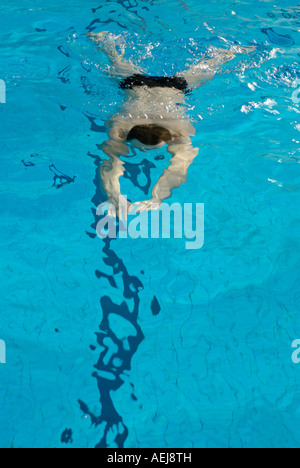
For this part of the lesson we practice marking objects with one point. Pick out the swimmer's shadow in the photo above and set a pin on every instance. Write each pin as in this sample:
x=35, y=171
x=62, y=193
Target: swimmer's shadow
x=132, y=172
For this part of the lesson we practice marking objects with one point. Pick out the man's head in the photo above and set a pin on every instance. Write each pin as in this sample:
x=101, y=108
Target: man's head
x=149, y=135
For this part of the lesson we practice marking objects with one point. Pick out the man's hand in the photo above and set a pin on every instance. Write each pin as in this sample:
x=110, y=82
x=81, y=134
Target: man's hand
x=118, y=206
x=147, y=205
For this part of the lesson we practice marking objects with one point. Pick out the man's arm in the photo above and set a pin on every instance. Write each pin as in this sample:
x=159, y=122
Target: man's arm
x=183, y=154
x=176, y=174
x=112, y=169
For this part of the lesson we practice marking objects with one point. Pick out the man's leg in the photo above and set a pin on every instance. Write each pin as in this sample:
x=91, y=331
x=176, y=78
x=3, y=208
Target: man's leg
x=120, y=67
x=204, y=71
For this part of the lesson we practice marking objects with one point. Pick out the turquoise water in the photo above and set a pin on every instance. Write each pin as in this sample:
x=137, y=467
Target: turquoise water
x=141, y=343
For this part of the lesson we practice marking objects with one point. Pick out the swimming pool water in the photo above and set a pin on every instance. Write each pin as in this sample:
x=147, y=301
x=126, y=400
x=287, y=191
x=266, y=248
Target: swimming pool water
x=141, y=343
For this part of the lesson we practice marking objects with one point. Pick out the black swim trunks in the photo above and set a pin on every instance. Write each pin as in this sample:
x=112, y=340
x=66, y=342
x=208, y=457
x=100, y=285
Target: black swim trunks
x=176, y=82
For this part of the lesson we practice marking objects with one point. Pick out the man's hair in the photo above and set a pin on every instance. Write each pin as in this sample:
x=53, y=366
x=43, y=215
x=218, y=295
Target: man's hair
x=151, y=135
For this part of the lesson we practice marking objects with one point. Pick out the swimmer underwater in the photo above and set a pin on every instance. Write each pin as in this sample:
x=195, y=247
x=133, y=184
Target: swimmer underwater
x=152, y=116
